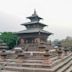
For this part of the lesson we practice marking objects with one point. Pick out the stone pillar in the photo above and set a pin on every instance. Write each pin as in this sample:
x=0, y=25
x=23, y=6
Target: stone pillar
x=22, y=41
x=26, y=41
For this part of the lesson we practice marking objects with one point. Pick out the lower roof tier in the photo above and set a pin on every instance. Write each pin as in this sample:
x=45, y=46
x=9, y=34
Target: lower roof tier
x=33, y=31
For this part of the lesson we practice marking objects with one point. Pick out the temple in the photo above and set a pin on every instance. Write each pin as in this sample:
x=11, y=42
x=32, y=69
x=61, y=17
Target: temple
x=34, y=34
x=34, y=53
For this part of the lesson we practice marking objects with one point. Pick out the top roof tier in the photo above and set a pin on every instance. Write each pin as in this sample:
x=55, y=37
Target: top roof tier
x=34, y=17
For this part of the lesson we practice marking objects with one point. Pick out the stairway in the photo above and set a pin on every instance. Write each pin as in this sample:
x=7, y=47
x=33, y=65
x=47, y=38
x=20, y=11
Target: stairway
x=57, y=65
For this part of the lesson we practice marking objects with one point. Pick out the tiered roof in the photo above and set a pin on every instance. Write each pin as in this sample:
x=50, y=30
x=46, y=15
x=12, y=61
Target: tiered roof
x=34, y=31
x=34, y=17
x=34, y=25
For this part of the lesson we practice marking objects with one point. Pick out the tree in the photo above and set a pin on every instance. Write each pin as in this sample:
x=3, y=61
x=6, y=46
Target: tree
x=9, y=38
x=67, y=43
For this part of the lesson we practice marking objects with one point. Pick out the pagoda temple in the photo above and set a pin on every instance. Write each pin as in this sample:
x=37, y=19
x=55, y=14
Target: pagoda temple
x=34, y=35
x=34, y=53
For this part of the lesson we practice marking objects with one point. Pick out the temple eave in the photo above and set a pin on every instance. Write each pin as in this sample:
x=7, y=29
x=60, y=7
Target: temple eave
x=34, y=23
x=34, y=31
x=47, y=34
x=30, y=17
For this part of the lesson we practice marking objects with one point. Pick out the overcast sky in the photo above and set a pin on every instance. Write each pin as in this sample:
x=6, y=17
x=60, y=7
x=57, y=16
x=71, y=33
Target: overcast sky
x=57, y=15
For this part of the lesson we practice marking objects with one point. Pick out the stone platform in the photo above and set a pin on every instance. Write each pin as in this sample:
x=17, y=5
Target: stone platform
x=56, y=65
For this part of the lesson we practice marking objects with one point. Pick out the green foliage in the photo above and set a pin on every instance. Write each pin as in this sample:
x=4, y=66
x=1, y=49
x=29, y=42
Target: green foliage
x=67, y=42
x=9, y=38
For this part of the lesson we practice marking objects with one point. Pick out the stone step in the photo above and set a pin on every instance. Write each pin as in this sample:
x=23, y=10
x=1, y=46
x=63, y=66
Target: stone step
x=26, y=69
x=27, y=64
x=58, y=61
x=54, y=59
x=7, y=71
x=32, y=66
x=63, y=63
x=39, y=61
x=31, y=60
x=65, y=67
x=69, y=69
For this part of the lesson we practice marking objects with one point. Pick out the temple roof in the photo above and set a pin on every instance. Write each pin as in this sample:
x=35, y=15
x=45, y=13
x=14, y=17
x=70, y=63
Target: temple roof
x=34, y=16
x=34, y=26
x=35, y=22
x=33, y=31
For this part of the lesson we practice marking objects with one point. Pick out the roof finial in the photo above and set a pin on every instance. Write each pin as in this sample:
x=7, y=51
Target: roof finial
x=34, y=14
x=34, y=11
